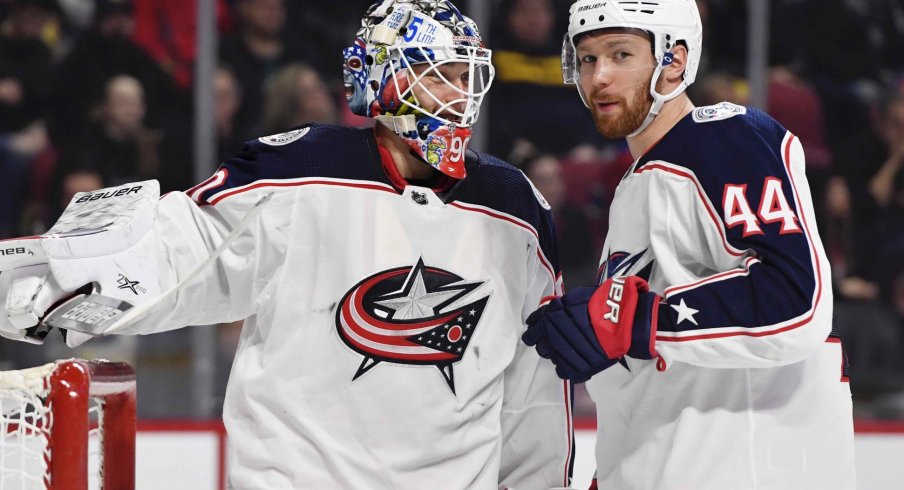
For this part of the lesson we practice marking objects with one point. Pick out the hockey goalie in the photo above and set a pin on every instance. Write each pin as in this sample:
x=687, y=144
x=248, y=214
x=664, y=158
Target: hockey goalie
x=384, y=275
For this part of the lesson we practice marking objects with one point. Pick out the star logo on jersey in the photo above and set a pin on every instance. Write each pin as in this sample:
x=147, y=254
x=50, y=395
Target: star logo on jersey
x=685, y=312
x=417, y=315
x=125, y=283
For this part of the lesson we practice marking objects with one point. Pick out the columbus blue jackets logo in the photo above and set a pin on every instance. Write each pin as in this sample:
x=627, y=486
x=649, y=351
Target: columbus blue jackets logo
x=620, y=263
x=411, y=315
x=718, y=112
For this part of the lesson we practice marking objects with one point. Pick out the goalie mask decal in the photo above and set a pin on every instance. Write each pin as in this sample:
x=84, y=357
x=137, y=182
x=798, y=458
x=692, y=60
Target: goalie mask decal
x=411, y=315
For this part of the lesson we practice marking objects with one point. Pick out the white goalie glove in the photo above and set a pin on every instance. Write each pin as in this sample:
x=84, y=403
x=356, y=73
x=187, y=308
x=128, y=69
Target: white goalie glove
x=96, y=263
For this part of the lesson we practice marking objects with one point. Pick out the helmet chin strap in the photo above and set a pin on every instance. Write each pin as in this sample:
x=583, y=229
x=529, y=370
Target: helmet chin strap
x=659, y=100
x=400, y=125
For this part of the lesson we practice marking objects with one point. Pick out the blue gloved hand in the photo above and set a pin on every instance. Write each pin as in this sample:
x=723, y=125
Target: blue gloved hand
x=562, y=332
x=589, y=329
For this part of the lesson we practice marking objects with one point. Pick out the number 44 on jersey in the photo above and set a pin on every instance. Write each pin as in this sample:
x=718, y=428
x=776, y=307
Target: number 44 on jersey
x=773, y=207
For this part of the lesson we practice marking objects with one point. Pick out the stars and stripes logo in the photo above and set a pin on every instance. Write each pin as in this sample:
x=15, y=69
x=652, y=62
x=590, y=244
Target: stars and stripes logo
x=354, y=56
x=411, y=315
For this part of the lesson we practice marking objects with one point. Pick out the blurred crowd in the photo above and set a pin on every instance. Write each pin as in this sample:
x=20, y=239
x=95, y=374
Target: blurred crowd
x=95, y=93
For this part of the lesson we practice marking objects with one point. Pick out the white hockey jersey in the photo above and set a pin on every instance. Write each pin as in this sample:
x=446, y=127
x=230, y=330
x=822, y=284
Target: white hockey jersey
x=751, y=388
x=381, y=340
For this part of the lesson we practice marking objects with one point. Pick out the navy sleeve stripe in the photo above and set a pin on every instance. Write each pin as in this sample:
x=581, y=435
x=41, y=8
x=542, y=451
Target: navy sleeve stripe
x=762, y=330
x=688, y=174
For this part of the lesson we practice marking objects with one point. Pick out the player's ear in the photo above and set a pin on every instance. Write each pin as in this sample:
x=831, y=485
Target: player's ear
x=674, y=72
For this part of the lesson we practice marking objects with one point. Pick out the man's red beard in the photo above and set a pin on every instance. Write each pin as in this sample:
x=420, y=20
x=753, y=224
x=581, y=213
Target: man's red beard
x=620, y=125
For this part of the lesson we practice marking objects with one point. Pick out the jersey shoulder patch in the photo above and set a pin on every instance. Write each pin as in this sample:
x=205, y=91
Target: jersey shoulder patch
x=284, y=138
x=540, y=199
x=718, y=112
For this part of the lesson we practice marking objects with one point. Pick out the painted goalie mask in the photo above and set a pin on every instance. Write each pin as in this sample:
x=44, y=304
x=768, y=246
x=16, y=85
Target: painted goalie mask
x=420, y=68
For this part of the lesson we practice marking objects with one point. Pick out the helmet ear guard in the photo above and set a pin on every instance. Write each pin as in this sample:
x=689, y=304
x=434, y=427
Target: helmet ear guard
x=381, y=82
x=669, y=22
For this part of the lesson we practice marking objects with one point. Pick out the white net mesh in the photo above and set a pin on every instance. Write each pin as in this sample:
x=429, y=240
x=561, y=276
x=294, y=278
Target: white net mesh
x=26, y=421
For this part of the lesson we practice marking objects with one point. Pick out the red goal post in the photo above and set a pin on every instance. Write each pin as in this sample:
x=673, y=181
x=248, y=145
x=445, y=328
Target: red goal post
x=45, y=420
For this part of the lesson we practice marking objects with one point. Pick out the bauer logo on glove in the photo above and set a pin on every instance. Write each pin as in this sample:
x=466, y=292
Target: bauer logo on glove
x=615, y=296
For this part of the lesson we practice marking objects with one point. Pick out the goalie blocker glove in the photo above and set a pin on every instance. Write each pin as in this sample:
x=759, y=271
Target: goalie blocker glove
x=104, y=242
x=589, y=329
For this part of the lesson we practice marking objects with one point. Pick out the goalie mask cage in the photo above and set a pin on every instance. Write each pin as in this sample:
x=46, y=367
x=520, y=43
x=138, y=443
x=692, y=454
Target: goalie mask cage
x=46, y=415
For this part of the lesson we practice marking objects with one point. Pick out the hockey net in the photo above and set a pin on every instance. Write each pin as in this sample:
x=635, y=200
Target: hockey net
x=49, y=413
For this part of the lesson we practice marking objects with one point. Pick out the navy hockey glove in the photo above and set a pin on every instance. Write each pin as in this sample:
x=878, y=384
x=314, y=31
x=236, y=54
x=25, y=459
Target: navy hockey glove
x=561, y=332
x=589, y=329
x=624, y=314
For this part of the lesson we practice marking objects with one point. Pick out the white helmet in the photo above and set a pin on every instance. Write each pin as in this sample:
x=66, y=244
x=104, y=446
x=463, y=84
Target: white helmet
x=667, y=21
x=398, y=34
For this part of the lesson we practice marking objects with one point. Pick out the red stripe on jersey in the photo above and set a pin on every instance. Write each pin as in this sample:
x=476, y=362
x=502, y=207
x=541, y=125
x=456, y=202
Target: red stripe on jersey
x=497, y=216
x=204, y=183
x=258, y=185
x=803, y=221
x=722, y=275
x=546, y=264
x=543, y=259
x=687, y=175
x=216, y=180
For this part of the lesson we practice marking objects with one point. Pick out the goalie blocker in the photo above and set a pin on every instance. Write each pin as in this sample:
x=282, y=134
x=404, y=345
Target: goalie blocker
x=85, y=273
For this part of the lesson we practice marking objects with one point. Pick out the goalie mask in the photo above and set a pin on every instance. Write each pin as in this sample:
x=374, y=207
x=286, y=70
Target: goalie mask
x=420, y=68
x=667, y=21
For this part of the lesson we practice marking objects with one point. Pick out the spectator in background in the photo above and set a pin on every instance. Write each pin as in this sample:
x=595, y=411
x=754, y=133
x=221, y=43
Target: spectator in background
x=881, y=245
x=875, y=244
x=166, y=29
x=868, y=159
x=576, y=254
x=296, y=95
x=881, y=185
x=529, y=100
x=877, y=261
x=25, y=66
x=870, y=315
x=118, y=147
x=256, y=51
x=324, y=24
x=718, y=86
x=794, y=103
x=104, y=51
x=227, y=98
x=889, y=15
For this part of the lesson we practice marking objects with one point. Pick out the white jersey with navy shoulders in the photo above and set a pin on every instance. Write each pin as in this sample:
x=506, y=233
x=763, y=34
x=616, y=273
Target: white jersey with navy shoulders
x=381, y=344
x=751, y=388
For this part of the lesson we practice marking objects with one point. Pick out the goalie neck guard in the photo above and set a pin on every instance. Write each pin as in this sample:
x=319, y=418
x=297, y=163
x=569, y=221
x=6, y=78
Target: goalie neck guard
x=420, y=68
x=668, y=22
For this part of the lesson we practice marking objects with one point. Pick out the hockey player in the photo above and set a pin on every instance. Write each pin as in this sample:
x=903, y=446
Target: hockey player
x=384, y=276
x=708, y=345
